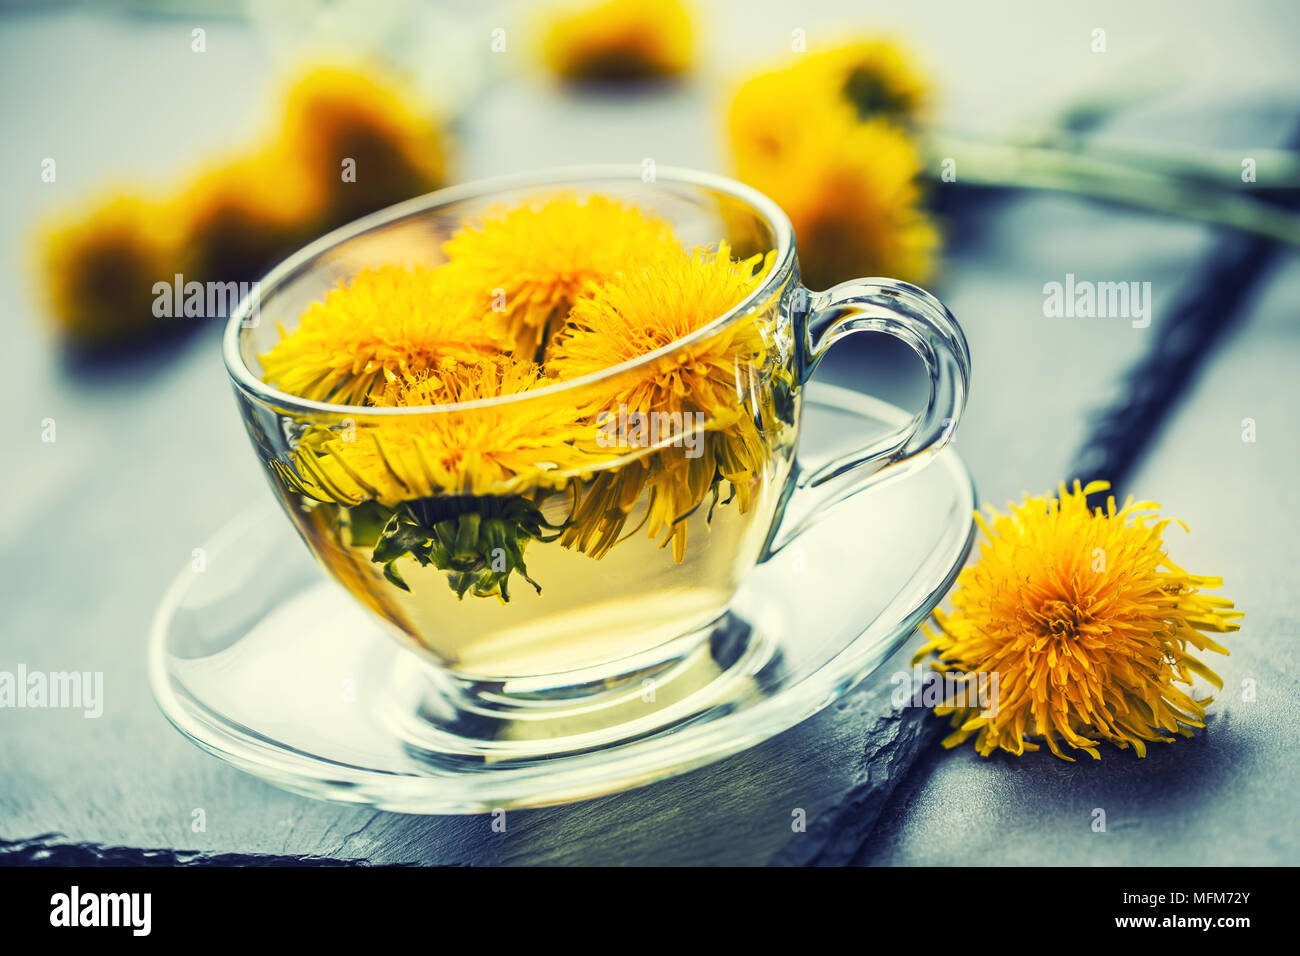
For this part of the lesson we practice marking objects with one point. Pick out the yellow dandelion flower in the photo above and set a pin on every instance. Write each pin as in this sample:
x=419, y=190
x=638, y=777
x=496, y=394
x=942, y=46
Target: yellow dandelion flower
x=387, y=323
x=1088, y=625
x=619, y=40
x=530, y=263
x=637, y=312
x=461, y=491
x=99, y=270
x=861, y=81
x=854, y=202
x=643, y=309
x=241, y=216
x=362, y=141
x=489, y=450
x=875, y=77
x=827, y=139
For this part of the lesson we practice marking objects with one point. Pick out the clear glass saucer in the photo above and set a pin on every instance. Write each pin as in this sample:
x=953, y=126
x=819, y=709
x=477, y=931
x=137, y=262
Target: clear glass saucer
x=264, y=662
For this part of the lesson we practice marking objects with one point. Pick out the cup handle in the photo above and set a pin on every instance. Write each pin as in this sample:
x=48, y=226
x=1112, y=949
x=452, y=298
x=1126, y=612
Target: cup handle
x=920, y=320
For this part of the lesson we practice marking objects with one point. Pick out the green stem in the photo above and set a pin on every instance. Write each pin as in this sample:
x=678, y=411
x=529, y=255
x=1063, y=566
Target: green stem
x=1018, y=166
x=1275, y=169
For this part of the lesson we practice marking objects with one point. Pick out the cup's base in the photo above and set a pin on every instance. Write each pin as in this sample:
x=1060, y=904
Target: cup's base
x=447, y=721
x=266, y=664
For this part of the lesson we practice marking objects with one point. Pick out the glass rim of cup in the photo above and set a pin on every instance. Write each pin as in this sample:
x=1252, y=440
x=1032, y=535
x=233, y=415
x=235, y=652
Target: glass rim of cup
x=559, y=177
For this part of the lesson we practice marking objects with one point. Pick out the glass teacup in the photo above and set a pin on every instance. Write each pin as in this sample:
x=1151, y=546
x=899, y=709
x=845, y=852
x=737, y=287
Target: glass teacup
x=605, y=547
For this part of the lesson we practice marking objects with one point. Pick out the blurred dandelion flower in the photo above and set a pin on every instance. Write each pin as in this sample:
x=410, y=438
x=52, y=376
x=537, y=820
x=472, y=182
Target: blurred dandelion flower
x=387, y=324
x=240, y=215
x=828, y=138
x=361, y=141
x=635, y=313
x=619, y=40
x=854, y=217
x=1087, y=623
x=99, y=270
x=861, y=81
x=235, y=218
x=528, y=264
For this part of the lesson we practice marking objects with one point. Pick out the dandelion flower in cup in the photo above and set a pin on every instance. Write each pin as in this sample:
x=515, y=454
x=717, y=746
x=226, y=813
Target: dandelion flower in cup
x=639, y=311
x=644, y=309
x=827, y=138
x=619, y=40
x=461, y=491
x=530, y=263
x=386, y=324
x=1088, y=625
x=99, y=270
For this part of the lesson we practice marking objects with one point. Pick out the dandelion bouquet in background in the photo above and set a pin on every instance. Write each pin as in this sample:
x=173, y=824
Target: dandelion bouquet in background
x=842, y=138
x=830, y=137
x=347, y=143
x=1088, y=625
x=517, y=430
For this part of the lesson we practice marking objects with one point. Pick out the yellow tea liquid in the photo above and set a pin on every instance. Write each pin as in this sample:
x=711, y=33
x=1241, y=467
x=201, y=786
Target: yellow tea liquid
x=589, y=612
